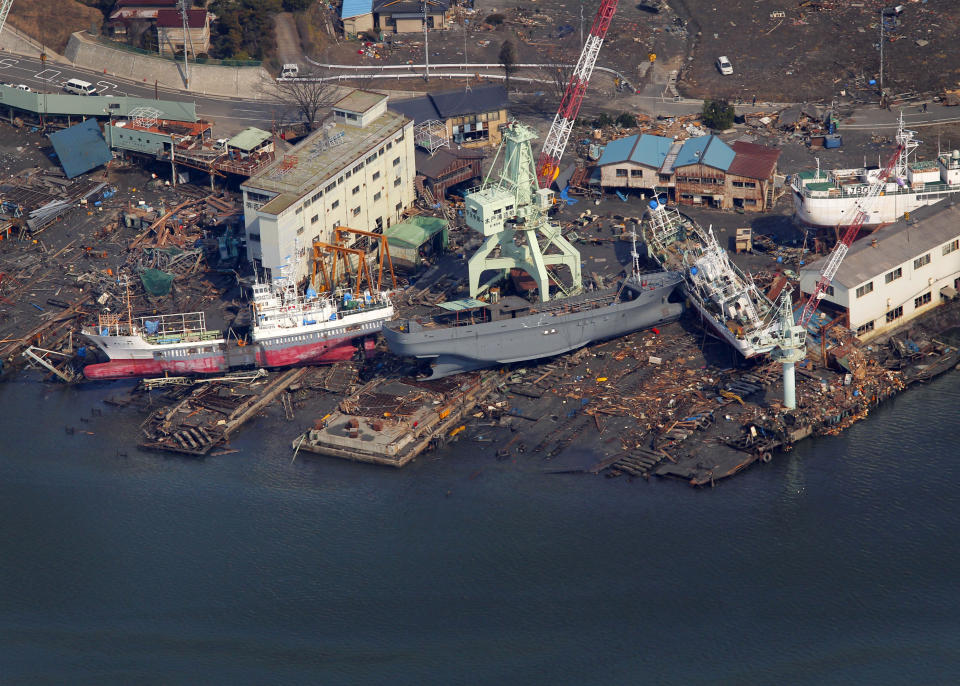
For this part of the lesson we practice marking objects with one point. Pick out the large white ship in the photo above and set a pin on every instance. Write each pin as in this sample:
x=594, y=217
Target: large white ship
x=826, y=199
x=727, y=299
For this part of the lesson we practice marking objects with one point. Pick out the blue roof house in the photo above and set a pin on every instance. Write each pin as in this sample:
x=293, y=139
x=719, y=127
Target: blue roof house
x=636, y=161
x=700, y=172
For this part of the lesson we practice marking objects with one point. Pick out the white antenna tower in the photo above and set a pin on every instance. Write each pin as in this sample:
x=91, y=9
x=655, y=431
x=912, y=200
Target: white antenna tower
x=4, y=11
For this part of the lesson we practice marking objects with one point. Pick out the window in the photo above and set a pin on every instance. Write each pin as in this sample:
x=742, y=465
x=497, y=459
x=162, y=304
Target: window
x=738, y=184
x=347, y=175
x=747, y=184
x=950, y=247
x=356, y=210
x=829, y=290
x=356, y=170
x=921, y=261
x=396, y=161
x=356, y=189
x=376, y=175
x=389, y=145
x=298, y=210
x=330, y=187
x=316, y=196
x=396, y=182
x=316, y=239
x=300, y=231
x=622, y=173
x=372, y=158
x=255, y=237
x=922, y=300
x=257, y=197
x=894, y=314
x=314, y=219
x=399, y=206
x=340, y=181
x=750, y=202
x=894, y=275
x=380, y=152
x=634, y=173
x=335, y=204
x=376, y=196
x=864, y=289
x=865, y=328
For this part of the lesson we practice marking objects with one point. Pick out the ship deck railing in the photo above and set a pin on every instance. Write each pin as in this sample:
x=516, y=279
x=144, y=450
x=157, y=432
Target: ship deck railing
x=929, y=187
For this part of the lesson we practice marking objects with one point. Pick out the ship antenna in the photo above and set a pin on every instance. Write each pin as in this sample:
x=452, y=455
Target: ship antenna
x=126, y=284
x=633, y=252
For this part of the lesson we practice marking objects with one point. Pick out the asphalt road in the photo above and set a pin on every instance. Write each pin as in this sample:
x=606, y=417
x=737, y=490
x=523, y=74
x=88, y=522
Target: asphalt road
x=228, y=114
x=233, y=114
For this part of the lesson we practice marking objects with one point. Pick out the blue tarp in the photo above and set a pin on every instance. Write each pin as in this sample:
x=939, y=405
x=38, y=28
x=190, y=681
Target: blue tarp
x=81, y=148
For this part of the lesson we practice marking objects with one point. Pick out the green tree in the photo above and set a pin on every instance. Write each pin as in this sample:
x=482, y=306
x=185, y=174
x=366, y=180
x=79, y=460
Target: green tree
x=626, y=120
x=717, y=114
x=508, y=58
x=296, y=5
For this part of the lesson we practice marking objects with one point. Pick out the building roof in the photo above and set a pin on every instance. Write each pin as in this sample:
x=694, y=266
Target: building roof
x=453, y=103
x=708, y=150
x=434, y=165
x=753, y=161
x=409, y=6
x=249, y=138
x=415, y=231
x=895, y=244
x=81, y=148
x=360, y=101
x=311, y=163
x=643, y=149
x=171, y=19
x=355, y=8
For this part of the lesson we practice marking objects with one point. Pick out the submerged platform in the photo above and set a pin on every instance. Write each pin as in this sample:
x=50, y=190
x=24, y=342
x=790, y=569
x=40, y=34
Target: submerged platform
x=390, y=423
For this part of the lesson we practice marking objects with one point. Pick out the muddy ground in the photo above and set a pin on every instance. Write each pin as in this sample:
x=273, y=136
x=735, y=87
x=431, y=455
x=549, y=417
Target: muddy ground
x=810, y=53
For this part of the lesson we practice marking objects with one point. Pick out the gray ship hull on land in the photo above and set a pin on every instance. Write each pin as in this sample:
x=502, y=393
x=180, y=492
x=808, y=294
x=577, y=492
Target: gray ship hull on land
x=509, y=332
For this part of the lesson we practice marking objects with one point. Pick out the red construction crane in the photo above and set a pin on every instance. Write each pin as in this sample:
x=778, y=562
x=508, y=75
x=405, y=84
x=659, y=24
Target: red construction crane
x=849, y=235
x=548, y=166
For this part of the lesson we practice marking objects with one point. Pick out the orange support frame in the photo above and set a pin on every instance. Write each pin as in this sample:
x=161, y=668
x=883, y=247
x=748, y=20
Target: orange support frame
x=339, y=239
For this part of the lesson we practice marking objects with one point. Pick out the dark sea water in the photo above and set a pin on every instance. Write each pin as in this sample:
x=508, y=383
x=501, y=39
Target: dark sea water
x=836, y=564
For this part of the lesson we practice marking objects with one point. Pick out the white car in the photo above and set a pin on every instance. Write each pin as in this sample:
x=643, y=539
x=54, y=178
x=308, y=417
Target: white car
x=723, y=64
x=23, y=87
x=289, y=71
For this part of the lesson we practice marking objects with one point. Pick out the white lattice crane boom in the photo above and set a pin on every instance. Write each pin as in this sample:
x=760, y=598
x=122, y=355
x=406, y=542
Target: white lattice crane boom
x=4, y=11
x=548, y=165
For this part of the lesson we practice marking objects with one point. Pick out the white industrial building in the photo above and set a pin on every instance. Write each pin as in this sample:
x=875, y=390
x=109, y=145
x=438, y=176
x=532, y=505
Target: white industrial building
x=899, y=272
x=356, y=171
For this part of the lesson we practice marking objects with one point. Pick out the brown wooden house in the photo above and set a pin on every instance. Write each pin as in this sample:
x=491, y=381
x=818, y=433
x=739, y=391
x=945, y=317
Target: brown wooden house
x=446, y=168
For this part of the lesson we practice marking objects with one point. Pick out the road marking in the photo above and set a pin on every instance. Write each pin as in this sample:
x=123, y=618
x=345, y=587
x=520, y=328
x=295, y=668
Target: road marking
x=7, y=62
x=51, y=74
x=104, y=85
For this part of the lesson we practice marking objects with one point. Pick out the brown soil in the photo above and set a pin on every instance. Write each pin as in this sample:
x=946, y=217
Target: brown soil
x=812, y=54
x=52, y=21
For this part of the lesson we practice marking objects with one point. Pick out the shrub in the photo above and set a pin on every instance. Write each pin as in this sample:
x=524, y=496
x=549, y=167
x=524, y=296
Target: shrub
x=495, y=19
x=717, y=114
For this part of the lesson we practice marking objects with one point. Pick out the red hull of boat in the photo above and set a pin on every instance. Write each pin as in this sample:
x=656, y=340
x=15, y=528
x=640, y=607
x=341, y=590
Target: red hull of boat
x=339, y=350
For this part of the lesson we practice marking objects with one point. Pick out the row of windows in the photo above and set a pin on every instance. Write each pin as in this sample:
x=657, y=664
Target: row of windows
x=744, y=184
x=897, y=312
x=918, y=263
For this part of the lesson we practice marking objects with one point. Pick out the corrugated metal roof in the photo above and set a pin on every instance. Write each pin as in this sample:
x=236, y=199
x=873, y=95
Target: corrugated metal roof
x=464, y=304
x=708, y=150
x=172, y=19
x=415, y=232
x=643, y=149
x=895, y=244
x=753, y=161
x=617, y=151
x=249, y=138
x=81, y=148
x=354, y=8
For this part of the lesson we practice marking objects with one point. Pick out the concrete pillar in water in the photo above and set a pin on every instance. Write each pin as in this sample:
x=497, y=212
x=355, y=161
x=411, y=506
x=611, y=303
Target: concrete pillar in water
x=789, y=386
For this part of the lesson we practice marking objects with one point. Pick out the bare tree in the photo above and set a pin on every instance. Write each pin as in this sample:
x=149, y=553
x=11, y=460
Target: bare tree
x=308, y=94
x=508, y=58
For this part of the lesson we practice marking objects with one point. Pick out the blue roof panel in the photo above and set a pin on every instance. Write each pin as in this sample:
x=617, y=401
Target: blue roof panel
x=354, y=8
x=651, y=150
x=81, y=148
x=617, y=151
x=708, y=150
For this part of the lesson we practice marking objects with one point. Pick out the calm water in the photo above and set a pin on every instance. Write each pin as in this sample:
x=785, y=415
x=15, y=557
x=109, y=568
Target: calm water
x=835, y=564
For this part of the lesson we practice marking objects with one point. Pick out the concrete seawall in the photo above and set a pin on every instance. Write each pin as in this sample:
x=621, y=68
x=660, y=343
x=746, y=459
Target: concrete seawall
x=205, y=79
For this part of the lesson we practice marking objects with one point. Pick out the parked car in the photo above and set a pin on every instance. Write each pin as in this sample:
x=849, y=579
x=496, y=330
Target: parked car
x=723, y=64
x=289, y=71
x=23, y=87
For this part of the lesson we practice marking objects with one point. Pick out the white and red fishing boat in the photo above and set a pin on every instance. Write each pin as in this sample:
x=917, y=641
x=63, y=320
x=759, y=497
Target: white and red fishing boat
x=287, y=329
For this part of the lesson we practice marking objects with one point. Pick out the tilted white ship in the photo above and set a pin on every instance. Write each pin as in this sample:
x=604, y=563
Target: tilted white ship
x=826, y=199
x=728, y=299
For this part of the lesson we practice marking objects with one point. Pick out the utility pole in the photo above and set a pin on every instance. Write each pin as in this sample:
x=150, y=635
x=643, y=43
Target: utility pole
x=881, y=55
x=186, y=36
x=426, y=45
